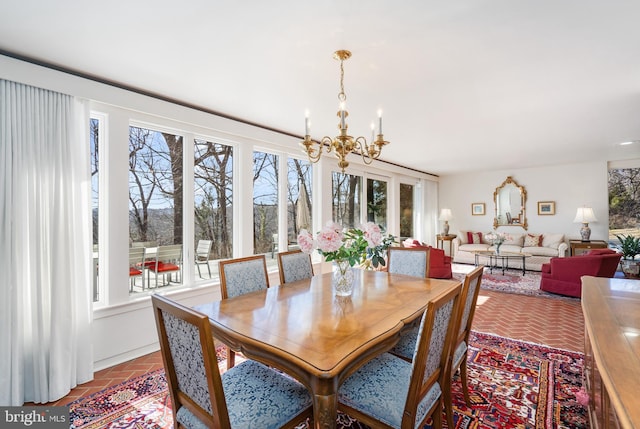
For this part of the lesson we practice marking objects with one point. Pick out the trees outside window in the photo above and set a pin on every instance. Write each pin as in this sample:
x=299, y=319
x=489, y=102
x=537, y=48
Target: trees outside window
x=346, y=199
x=377, y=202
x=406, y=211
x=624, y=202
x=213, y=199
x=265, y=203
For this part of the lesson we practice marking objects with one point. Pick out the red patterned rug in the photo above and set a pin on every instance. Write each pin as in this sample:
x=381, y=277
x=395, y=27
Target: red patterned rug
x=513, y=384
x=512, y=281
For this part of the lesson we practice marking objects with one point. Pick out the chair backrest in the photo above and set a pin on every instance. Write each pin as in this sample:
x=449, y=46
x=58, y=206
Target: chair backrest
x=468, y=300
x=243, y=275
x=203, y=250
x=189, y=356
x=294, y=265
x=144, y=244
x=171, y=253
x=430, y=359
x=412, y=261
x=136, y=257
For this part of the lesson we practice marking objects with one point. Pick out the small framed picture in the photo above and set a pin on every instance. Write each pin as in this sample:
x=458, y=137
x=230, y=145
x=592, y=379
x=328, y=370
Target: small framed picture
x=546, y=207
x=477, y=209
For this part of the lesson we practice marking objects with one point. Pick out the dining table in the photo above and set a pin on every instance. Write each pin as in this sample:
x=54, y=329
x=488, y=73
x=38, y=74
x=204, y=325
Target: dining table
x=305, y=330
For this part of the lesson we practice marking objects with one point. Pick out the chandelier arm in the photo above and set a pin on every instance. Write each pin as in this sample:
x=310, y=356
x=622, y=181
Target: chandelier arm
x=364, y=149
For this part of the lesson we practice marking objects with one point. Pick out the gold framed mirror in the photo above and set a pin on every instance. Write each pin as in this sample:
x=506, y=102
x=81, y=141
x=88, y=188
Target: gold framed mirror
x=510, y=204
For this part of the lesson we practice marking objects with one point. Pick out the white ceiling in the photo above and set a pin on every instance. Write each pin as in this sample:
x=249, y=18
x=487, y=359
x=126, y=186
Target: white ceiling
x=464, y=85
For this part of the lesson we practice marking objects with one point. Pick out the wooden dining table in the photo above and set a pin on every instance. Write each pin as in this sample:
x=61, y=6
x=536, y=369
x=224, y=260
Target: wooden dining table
x=305, y=330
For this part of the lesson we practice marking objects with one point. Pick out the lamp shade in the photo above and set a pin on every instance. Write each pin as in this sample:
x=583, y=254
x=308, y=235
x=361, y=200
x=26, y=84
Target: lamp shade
x=585, y=215
x=445, y=214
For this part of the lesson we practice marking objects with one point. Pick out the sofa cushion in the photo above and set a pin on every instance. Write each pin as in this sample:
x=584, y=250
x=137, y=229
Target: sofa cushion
x=532, y=240
x=473, y=247
x=514, y=239
x=552, y=240
x=540, y=251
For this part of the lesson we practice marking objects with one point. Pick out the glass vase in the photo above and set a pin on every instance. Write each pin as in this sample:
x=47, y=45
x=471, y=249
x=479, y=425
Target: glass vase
x=343, y=277
x=498, y=248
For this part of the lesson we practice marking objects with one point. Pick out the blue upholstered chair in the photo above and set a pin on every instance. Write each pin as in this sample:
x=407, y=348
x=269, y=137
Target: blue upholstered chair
x=468, y=300
x=412, y=261
x=407, y=344
x=240, y=276
x=248, y=395
x=294, y=265
x=389, y=392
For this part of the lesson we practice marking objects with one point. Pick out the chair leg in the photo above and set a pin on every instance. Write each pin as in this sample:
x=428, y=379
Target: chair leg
x=209, y=268
x=463, y=379
x=448, y=402
x=199, y=273
x=231, y=358
x=437, y=417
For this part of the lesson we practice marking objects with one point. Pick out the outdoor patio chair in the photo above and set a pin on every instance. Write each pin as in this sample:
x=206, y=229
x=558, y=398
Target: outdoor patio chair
x=248, y=395
x=168, y=261
x=136, y=266
x=202, y=255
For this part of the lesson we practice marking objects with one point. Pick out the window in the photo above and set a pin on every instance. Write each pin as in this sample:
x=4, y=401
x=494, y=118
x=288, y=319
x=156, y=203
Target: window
x=265, y=203
x=406, y=211
x=213, y=199
x=624, y=202
x=346, y=192
x=155, y=191
x=377, y=202
x=94, y=139
x=299, y=201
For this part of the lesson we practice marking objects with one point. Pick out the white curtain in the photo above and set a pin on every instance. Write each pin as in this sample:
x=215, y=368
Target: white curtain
x=45, y=245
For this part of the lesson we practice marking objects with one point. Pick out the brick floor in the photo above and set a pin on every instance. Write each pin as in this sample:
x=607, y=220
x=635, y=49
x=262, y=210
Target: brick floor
x=556, y=322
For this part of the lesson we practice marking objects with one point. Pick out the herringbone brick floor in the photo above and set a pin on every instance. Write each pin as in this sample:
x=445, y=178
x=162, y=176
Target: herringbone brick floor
x=556, y=322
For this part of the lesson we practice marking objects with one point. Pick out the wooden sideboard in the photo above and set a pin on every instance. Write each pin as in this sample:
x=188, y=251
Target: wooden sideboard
x=611, y=309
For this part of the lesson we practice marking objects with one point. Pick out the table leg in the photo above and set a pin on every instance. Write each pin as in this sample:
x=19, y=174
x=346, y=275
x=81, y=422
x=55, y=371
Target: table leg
x=503, y=264
x=325, y=411
x=524, y=270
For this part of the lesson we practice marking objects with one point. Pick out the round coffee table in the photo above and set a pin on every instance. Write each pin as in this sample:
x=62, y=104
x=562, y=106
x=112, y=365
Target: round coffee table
x=502, y=257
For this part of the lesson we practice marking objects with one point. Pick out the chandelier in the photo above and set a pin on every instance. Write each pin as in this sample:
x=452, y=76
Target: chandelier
x=343, y=144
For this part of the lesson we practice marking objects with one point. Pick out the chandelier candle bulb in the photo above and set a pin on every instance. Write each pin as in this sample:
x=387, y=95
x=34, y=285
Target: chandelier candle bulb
x=306, y=125
x=380, y=122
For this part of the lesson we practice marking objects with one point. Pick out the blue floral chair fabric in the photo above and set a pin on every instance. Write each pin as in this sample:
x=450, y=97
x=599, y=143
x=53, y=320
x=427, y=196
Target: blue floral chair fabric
x=294, y=265
x=243, y=275
x=238, y=277
x=468, y=299
x=408, y=260
x=390, y=392
x=248, y=395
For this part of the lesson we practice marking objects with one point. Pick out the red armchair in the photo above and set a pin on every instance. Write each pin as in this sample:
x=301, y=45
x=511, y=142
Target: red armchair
x=562, y=275
x=439, y=263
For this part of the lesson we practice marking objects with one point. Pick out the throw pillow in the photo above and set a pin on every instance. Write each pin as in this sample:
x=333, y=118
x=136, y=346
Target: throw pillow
x=474, y=237
x=552, y=240
x=532, y=240
x=462, y=236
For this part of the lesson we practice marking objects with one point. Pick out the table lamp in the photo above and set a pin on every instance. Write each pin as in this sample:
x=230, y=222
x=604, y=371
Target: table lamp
x=445, y=215
x=584, y=215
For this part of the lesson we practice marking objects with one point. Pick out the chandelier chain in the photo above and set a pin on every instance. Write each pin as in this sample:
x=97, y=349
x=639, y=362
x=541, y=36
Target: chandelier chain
x=342, y=96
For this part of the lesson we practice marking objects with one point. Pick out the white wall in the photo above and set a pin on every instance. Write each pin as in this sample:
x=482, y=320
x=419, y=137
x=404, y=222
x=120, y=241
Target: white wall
x=570, y=186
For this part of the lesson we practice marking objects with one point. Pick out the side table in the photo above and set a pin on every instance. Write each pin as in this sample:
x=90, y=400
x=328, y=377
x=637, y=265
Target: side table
x=441, y=238
x=577, y=247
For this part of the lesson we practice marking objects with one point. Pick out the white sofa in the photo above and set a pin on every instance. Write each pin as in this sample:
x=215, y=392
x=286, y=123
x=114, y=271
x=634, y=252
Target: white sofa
x=548, y=246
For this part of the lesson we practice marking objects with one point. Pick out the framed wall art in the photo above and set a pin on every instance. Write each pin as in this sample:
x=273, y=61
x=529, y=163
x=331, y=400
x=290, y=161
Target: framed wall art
x=477, y=209
x=546, y=207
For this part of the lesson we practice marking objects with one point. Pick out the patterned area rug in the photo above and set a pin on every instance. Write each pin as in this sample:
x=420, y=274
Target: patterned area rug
x=513, y=384
x=512, y=281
